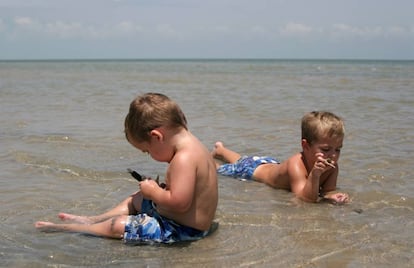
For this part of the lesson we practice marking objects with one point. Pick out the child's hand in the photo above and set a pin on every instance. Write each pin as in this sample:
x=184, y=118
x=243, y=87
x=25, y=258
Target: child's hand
x=337, y=198
x=323, y=164
x=148, y=187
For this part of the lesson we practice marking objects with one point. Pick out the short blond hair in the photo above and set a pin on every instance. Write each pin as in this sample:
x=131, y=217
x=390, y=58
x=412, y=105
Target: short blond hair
x=320, y=124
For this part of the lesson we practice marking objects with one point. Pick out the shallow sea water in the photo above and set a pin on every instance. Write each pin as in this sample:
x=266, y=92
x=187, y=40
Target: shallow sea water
x=63, y=149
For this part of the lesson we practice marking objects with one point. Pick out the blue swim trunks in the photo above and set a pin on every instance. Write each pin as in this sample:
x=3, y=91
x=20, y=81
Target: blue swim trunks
x=149, y=227
x=245, y=166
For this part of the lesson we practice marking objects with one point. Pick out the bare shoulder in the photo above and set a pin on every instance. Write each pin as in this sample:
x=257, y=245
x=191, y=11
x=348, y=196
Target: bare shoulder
x=295, y=161
x=296, y=167
x=192, y=152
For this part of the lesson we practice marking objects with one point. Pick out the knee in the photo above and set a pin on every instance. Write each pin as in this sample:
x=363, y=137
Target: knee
x=117, y=226
x=136, y=203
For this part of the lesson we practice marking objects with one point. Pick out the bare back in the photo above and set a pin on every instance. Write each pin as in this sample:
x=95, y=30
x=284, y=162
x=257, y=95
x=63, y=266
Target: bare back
x=289, y=175
x=274, y=175
x=192, y=175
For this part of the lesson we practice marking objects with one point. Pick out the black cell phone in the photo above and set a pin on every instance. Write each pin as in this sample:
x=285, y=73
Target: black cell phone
x=135, y=174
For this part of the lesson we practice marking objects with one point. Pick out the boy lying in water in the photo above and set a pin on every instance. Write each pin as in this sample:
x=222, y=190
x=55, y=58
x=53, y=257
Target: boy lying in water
x=311, y=174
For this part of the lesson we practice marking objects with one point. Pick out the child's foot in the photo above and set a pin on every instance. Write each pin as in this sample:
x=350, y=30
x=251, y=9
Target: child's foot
x=75, y=218
x=45, y=226
x=40, y=224
x=217, y=147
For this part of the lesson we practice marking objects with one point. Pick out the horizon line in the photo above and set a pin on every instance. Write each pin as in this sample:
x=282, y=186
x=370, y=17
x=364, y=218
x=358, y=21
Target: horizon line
x=201, y=59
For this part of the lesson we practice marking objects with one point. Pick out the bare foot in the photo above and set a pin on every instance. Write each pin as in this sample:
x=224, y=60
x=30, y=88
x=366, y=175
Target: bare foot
x=42, y=224
x=75, y=218
x=45, y=226
x=217, y=147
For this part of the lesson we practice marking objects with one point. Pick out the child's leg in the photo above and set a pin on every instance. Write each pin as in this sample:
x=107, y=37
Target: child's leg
x=224, y=153
x=130, y=206
x=111, y=228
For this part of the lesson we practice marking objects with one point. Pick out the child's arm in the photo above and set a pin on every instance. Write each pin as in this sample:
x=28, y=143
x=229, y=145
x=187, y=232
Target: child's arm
x=181, y=178
x=303, y=185
x=328, y=189
x=306, y=185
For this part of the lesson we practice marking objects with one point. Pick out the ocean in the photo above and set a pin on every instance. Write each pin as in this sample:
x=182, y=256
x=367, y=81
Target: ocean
x=63, y=150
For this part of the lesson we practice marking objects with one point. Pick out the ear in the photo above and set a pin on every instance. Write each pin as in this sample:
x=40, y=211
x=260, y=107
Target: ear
x=305, y=144
x=155, y=133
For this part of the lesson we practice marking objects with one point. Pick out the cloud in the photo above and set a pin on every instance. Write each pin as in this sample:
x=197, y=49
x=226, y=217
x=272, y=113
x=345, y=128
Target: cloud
x=23, y=27
x=345, y=31
x=67, y=30
x=296, y=29
x=258, y=30
x=26, y=27
x=23, y=21
x=127, y=27
x=341, y=31
x=166, y=30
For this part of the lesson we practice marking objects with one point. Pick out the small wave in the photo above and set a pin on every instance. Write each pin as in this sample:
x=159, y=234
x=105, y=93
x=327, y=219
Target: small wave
x=57, y=169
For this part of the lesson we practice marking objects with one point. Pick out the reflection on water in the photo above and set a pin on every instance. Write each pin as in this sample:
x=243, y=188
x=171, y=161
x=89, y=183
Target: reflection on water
x=63, y=149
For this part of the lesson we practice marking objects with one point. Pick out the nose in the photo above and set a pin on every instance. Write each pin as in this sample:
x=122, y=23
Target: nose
x=334, y=155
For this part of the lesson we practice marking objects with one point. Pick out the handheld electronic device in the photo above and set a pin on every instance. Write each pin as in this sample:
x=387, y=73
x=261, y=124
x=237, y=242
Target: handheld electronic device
x=135, y=174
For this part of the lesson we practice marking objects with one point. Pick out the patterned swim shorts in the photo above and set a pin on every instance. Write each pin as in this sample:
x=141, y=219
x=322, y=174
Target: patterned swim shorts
x=245, y=166
x=149, y=227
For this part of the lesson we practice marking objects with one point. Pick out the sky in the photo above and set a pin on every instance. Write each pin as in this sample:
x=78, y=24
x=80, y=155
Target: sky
x=154, y=29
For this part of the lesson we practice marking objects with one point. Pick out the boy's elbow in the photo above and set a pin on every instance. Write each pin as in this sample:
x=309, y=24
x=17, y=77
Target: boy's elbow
x=310, y=196
x=309, y=199
x=182, y=207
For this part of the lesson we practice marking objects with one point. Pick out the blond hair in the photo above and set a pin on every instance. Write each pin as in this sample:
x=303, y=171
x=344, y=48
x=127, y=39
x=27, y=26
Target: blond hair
x=321, y=124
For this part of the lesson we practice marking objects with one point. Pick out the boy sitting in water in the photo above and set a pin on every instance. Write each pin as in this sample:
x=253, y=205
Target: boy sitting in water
x=184, y=209
x=311, y=174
